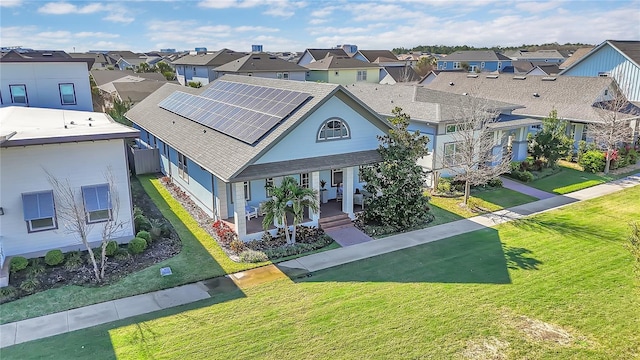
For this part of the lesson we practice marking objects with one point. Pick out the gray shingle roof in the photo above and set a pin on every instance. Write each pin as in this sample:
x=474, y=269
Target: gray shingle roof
x=220, y=154
x=259, y=62
x=42, y=56
x=373, y=55
x=402, y=73
x=544, y=54
x=577, y=55
x=318, y=54
x=629, y=48
x=475, y=55
x=571, y=96
x=333, y=62
x=137, y=91
x=217, y=58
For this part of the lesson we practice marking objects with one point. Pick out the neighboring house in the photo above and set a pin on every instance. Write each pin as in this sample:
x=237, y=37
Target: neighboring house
x=396, y=74
x=312, y=131
x=576, y=99
x=384, y=58
x=412, y=58
x=100, y=61
x=125, y=85
x=47, y=79
x=436, y=113
x=521, y=67
x=545, y=56
x=200, y=67
x=477, y=60
x=312, y=55
x=427, y=79
x=75, y=146
x=617, y=59
x=575, y=56
x=342, y=70
x=546, y=70
x=263, y=65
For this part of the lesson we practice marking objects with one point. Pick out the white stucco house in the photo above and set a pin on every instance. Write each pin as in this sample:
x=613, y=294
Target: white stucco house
x=45, y=79
x=77, y=146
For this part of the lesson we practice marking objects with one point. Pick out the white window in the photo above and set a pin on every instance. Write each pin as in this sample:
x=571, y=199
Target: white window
x=67, y=94
x=39, y=211
x=19, y=94
x=304, y=180
x=247, y=191
x=444, y=65
x=268, y=185
x=499, y=65
x=450, y=153
x=362, y=75
x=283, y=76
x=482, y=65
x=183, y=170
x=97, y=202
x=451, y=129
x=333, y=129
x=473, y=68
x=456, y=65
x=336, y=177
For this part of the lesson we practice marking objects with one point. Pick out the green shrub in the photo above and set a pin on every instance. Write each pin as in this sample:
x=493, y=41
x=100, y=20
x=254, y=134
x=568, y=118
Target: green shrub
x=121, y=254
x=237, y=246
x=253, y=256
x=18, y=263
x=157, y=228
x=35, y=266
x=444, y=185
x=524, y=176
x=137, y=211
x=144, y=235
x=495, y=182
x=593, y=161
x=141, y=223
x=112, y=248
x=54, y=258
x=74, y=260
x=137, y=245
x=7, y=292
x=30, y=284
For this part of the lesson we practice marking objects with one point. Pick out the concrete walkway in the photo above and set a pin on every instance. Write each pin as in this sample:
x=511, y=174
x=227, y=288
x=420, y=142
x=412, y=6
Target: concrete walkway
x=348, y=236
x=527, y=190
x=88, y=316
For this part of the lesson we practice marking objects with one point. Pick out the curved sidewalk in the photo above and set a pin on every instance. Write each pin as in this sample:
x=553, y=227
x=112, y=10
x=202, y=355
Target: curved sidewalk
x=525, y=189
x=88, y=316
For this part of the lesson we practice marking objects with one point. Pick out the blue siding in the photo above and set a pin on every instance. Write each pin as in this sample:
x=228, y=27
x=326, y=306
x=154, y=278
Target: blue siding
x=425, y=129
x=488, y=65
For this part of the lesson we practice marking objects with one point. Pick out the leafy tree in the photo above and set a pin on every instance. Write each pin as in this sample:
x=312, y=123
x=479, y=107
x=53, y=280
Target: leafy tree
x=118, y=110
x=398, y=180
x=465, y=66
x=425, y=65
x=143, y=68
x=300, y=198
x=551, y=142
x=289, y=198
x=634, y=246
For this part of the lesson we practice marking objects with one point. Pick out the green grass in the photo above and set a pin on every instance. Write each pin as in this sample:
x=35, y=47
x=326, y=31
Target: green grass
x=568, y=180
x=201, y=258
x=568, y=268
x=491, y=200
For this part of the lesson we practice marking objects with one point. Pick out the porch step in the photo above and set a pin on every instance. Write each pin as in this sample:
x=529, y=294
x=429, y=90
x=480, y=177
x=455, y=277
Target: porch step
x=333, y=222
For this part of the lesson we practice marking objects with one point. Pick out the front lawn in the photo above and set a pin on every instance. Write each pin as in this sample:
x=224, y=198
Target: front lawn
x=558, y=285
x=568, y=180
x=489, y=200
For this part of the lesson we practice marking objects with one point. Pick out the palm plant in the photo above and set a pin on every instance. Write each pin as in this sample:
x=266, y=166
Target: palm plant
x=301, y=197
x=277, y=208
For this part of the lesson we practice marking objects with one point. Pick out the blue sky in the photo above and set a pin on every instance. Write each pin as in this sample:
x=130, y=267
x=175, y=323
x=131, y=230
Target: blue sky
x=292, y=25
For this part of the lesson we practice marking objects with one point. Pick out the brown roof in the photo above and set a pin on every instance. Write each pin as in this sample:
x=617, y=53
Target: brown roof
x=577, y=55
x=217, y=58
x=259, y=62
x=373, y=55
x=630, y=48
x=318, y=54
x=334, y=62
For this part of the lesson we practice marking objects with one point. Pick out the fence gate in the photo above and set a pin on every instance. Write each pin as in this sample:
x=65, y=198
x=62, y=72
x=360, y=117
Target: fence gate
x=146, y=161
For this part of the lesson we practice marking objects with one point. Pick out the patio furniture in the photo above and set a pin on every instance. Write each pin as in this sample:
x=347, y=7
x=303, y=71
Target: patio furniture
x=358, y=199
x=250, y=211
x=339, y=193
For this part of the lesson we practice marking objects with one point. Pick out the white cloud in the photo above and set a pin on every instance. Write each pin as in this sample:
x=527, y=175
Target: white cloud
x=225, y=4
x=100, y=35
x=536, y=6
x=10, y=3
x=318, y=21
x=115, y=12
x=278, y=8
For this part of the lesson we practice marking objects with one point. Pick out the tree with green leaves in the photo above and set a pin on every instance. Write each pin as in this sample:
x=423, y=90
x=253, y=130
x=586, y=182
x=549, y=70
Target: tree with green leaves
x=118, y=110
x=551, y=142
x=301, y=198
x=398, y=181
x=634, y=246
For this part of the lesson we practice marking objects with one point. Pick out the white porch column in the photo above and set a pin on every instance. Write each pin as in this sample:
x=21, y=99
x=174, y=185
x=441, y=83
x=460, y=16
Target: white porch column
x=314, y=182
x=347, y=190
x=221, y=198
x=238, y=209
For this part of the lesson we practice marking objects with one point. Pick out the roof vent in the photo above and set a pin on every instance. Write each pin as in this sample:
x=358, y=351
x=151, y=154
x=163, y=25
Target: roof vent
x=492, y=76
x=549, y=78
x=472, y=75
x=451, y=83
x=519, y=77
x=465, y=94
x=256, y=58
x=536, y=95
x=47, y=54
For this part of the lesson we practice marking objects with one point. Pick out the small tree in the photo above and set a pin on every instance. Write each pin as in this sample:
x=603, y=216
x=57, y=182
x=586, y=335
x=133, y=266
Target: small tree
x=469, y=155
x=119, y=108
x=397, y=181
x=634, y=246
x=551, y=142
x=425, y=65
x=71, y=213
x=301, y=198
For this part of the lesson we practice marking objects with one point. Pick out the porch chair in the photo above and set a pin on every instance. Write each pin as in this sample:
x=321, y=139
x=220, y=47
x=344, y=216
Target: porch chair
x=339, y=193
x=250, y=211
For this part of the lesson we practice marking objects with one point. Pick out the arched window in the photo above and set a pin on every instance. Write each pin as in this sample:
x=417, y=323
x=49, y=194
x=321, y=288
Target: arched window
x=333, y=129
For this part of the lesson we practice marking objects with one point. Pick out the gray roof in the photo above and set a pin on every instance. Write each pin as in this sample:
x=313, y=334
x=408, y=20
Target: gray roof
x=102, y=77
x=123, y=54
x=630, y=49
x=334, y=62
x=41, y=56
x=373, y=55
x=220, y=154
x=259, y=62
x=420, y=103
x=539, y=54
x=475, y=55
x=217, y=58
x=137, y=91
x=549, y=69
x=318, y=54
x=577, y=55
x=571, y=96
x=402, y=73
x=99, y=58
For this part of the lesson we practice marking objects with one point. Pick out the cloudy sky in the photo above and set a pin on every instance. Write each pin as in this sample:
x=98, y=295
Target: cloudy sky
x=292, y=25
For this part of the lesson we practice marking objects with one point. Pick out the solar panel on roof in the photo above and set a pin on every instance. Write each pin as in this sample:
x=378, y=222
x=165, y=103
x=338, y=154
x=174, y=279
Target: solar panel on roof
x=242, y=111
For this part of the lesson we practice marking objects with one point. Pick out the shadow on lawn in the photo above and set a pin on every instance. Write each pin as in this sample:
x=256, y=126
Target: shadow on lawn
x=479, y=257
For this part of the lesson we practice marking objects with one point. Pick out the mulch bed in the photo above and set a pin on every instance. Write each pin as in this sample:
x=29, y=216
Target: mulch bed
x=116, y=268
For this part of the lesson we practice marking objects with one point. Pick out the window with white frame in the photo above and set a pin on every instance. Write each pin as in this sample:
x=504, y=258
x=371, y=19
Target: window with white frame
x=304, y=180
x=97, y=202
x=333, y=129
x=482, y=65
x=336, y=177
x=444, y=65
x=247, y=191
x=268, y=185
x=499, y=65
x=362, y=75
x=19, y=94
x=39, y=211
x=456, y=65
x=183, y=170
x=67, y=94
x=451, y=153
x=283, y=75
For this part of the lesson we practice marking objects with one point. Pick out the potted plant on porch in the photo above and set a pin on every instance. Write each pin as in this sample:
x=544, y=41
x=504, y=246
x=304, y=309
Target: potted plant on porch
x=324, y=197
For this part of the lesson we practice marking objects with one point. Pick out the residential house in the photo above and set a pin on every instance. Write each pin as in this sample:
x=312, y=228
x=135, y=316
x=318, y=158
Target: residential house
x=342, y=70
x=396, y=74
x=575, y=56
x=576, y=99
x=617, y=59
x=437, y=114
x=200, y=67
x=101, y=61
x=47, y=79
x=384, y=58
x=433, y=74
x=225, y=142
x=263, y=65
x=312, y=55
x=546, y=70
x=476, y=60
x=80, y=147
x=545, y=56
x=111, y=85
